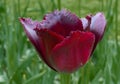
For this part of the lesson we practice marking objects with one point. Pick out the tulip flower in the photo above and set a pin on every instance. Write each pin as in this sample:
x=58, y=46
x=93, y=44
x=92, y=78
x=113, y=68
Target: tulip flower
x=64, y=41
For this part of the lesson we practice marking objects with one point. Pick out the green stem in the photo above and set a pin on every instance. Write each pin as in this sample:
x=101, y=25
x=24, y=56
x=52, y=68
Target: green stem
x=65, y=78
x=59, y=4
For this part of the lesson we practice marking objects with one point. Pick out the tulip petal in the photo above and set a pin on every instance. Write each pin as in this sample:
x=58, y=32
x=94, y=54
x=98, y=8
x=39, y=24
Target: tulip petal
x=85, y=23
x=29, y=26
x=73, y=51
x=97, y=26
x=62, y=22
x=49, y=39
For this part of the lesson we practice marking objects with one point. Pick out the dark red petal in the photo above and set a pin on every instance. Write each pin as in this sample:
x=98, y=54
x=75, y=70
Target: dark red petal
x=49, y=39
x=62, y=22
x=29, y=26
x=72, y=52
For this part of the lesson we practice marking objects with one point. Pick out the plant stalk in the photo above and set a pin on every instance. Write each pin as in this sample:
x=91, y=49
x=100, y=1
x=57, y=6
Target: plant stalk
x=65, y=78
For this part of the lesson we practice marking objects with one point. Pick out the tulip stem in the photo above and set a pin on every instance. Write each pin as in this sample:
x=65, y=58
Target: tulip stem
x=65, y=78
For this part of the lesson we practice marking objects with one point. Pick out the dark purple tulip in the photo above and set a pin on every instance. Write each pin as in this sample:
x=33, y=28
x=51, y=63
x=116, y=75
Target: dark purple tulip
x=64, y=41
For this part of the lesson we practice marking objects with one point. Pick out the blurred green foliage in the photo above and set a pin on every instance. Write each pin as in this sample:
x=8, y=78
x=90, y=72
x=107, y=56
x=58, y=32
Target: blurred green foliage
x=19, y=62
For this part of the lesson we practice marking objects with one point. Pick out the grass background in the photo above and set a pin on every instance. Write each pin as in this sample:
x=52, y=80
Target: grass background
x=20, y=63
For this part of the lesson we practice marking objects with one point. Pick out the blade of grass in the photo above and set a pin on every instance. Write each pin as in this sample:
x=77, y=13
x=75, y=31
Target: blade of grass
x=34, y=78
x=79, y=6
x=116, y=23
x=23, y=65
x=53, y=5
x=26, y=7
x=59, y=4
x=42, y=8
